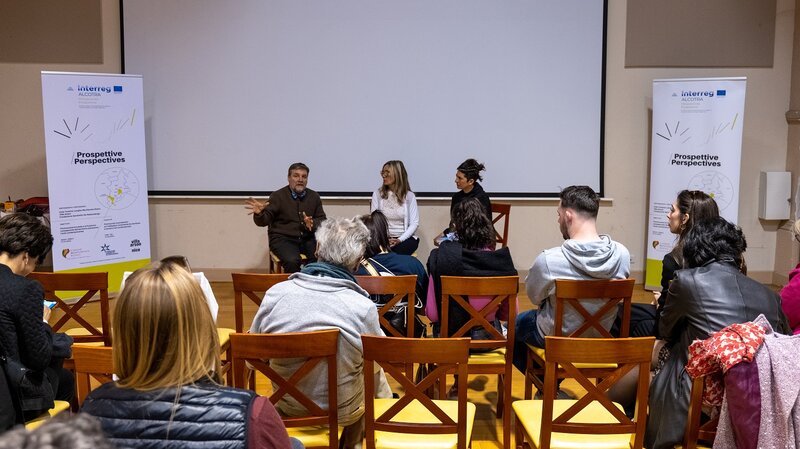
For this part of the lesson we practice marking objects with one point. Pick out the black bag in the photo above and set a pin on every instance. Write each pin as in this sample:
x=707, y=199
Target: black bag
x=398, y=317
x=399, y=320
x=30, y=390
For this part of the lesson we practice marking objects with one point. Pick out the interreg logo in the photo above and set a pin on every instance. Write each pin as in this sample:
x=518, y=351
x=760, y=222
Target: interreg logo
x=696, y=93
x=96, y=91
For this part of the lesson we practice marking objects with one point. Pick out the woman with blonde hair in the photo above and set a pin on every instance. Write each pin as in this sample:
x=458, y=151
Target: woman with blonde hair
x=166, y=355
x=399, y=204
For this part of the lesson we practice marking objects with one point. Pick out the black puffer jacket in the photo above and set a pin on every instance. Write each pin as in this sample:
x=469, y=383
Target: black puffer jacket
x=700, y=301
x=207, y=416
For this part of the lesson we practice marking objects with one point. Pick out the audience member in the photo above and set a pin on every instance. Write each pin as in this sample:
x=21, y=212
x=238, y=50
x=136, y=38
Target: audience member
x=397, y=202
x=63, y=431
x=473, y=254
x=292, y=213
x=166, y=354
x=585, y=254
x=25, y=336
x=379, y=261
x=325, y=295
x=790, y=294
x=709, y=295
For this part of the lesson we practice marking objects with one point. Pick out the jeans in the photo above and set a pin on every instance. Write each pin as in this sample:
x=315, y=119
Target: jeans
x=527, y=333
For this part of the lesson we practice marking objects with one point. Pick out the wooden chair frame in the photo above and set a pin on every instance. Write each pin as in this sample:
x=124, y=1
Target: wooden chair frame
x=276, y=265
x=503, y=211
x=91, y=362
x=571, y=291
x=92, y=283
x=257, y=349
x=503, y=289
x=695, y=432
x=446, y=354
x=247, y=284
x=402, y=288
x=567, y=354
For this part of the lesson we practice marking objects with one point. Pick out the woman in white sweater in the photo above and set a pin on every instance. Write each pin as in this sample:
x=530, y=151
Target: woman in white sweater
x=397, y=202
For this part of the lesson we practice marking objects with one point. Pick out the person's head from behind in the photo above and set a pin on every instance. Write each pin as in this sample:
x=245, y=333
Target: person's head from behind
x=467, y=174
x=24, y=242
x=714, y=239
x=342, y=241
x=163, y=332
x=298, y=177
x=378, y=233
x=577, y=206
x=690, y=207
x=63, y=431
x=395, y=179
x=473, y=227
x=180, y=261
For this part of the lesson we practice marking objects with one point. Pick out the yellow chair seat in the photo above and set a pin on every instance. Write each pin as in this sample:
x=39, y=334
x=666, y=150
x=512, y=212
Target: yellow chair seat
x=58, y=407
x=82, y=332
x=495, y=357
x=312, y=436
x=224, y=334
x=529, y=415
x=417, y=413
x=540, y=352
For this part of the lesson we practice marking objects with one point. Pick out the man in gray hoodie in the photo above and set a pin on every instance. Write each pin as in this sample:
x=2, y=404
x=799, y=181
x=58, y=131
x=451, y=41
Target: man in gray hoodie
x=585, y=254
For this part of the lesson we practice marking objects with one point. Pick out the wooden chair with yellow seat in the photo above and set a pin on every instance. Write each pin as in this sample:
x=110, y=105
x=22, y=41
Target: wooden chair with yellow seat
x=92, y=364
x=92, y=284
x=252, y=285
x=501, y=211
x=415, y=420
x=593, y=420
x=320, y=427
x=276, y=266
x=402, y=288
x=496, y=291
x=570, y=292
x=698, y=436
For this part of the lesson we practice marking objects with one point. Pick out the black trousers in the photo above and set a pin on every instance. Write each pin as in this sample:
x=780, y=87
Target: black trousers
x=288, y=250
x=407, y=246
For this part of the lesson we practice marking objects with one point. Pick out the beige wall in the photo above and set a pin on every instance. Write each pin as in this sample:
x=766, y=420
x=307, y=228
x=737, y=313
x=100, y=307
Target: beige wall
x=217, y=235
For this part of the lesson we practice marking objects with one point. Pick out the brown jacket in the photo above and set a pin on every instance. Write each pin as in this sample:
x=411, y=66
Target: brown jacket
x=284, y=215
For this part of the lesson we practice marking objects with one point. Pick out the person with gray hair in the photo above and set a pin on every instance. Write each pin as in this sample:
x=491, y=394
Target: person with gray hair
x=325, y=295
x=63, y=431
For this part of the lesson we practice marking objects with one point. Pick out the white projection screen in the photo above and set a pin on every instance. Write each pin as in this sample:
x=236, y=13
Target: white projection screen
x=235, y=91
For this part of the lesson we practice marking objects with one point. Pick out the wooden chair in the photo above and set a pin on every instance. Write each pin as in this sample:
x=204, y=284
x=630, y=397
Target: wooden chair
x=403, y=288
x=276, y=266
x=92, y=283
x=415, y=420
x=320, y=427
x=498, y=360
x=253, y=286
x=571, y=292
x=593, y=420
x=91, y=362
x=697, y=433
x=503, y=212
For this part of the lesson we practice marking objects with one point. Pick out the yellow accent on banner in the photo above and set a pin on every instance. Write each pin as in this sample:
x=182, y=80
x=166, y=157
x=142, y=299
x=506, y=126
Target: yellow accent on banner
x=652, y=280
x=115, y=271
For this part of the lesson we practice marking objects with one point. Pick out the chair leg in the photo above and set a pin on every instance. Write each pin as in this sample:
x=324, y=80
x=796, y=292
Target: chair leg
x=519, y=435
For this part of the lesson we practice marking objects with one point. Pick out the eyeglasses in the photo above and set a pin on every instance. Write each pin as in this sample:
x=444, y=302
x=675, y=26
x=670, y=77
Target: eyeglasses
x=385, y=173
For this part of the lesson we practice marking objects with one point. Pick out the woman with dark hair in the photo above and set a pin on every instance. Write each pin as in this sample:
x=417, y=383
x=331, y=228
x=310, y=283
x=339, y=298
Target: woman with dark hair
x=25, y=335
x=472, y=254
x=399, y=205
x=467, y=176
x=710, y=294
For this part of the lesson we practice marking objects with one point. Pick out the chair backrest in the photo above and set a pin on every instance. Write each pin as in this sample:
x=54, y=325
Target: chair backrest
x=91, y=362
x=500, y=290
x=501, y=211
x=402, y=288
x=613, y=291
x=91, y=283
x=447, y=354
x=257, y=349
x=566, y=353
x=696, y=432
x=252, y=285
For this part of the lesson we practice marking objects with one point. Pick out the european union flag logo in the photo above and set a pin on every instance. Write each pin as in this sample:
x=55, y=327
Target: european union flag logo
x=117, y=89
x=721, y=93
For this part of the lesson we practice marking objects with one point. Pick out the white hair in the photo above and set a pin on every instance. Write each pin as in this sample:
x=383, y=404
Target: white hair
x=342, y=241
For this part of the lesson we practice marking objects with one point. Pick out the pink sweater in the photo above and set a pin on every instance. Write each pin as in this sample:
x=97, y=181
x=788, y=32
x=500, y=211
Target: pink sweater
x=790, y=300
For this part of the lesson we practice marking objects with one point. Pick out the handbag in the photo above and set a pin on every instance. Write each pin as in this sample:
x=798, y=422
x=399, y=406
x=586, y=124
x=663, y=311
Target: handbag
x=398, y=315
x=30, y=390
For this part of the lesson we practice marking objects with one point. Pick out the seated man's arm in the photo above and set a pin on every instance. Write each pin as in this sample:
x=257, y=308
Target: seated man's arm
x=268, y=212
x=539, y=283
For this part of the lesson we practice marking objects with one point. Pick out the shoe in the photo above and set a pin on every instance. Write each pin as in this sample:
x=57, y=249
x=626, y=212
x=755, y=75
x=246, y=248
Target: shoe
x=560, y=395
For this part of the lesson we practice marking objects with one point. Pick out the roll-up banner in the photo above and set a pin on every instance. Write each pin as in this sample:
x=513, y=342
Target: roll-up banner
x=96, y=172
x=696, y=145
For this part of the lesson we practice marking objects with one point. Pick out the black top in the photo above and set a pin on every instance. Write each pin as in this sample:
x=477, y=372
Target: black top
x=23, y=334
x=478, y=193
